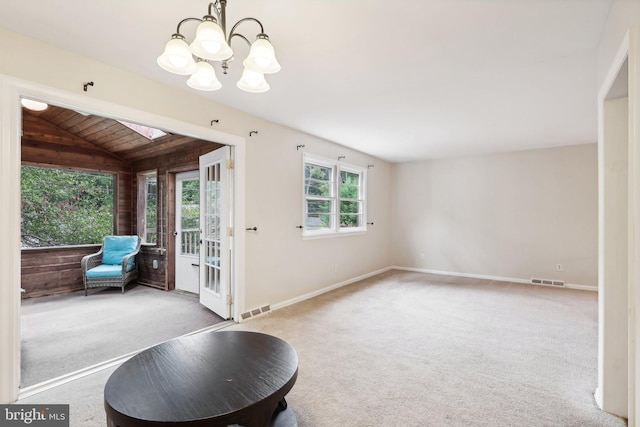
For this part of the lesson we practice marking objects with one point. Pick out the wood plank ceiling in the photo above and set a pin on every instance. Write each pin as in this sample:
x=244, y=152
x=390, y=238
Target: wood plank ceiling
x=106, y=134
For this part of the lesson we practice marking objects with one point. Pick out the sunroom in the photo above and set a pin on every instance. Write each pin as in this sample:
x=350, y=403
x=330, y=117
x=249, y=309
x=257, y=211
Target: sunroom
x=127, y=174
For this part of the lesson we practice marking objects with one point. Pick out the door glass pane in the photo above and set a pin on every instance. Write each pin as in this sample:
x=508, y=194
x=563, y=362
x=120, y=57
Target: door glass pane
x=212, y=233
x=190, y=214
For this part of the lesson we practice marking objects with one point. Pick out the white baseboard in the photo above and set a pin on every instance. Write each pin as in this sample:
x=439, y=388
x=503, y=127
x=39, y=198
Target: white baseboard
x=498, y=278
x=327, y=289
x=597, y=395
x=418, y=270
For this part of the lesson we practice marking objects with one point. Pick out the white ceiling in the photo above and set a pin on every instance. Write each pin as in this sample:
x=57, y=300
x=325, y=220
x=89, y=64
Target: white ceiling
x=401, y=80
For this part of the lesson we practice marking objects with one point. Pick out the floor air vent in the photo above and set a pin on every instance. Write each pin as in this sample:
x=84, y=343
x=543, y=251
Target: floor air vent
x=256, y=312
x=548, y=282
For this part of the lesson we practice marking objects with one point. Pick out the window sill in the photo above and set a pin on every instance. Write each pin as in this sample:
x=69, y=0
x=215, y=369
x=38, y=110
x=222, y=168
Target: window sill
x=152, y=248
x=333, y=234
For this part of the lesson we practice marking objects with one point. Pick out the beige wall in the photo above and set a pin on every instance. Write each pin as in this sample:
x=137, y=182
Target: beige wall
x=279, y=265
x=513, y=215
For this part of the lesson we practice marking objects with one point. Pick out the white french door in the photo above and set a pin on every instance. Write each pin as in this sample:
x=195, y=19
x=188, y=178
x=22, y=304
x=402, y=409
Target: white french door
x=215, y=248
x=187, y=232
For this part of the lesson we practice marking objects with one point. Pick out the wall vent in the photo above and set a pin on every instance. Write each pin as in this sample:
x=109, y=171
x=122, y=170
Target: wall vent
x=547, y=282
x=256, y=312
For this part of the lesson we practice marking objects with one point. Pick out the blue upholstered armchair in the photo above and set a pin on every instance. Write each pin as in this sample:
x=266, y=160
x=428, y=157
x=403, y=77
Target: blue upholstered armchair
x=114, y=265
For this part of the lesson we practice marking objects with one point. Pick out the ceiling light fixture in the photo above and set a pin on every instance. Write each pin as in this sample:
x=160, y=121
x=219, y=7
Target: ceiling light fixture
x=212, y=44
x=33, y=105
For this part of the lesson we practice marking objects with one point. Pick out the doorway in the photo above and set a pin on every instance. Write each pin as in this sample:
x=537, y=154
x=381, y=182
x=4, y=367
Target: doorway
x=187, y=232
x=104, y=310
x=11, y=92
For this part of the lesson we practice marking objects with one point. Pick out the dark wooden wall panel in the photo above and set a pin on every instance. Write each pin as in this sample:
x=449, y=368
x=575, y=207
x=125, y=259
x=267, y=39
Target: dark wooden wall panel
x=125, y=199
x=147, y=275
x=53, y=271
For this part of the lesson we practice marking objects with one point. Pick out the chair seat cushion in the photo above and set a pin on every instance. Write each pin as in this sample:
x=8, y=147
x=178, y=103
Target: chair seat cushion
x=107, y=270
x=117, y=247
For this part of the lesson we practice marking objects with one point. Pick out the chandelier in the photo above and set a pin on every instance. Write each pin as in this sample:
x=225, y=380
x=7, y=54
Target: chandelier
x=212, y=43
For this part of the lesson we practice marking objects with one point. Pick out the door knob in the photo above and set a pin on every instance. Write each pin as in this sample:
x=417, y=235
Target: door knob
x=175, y=233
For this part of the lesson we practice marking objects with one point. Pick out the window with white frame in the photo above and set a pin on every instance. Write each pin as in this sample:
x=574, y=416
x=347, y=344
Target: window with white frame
x=334, y=197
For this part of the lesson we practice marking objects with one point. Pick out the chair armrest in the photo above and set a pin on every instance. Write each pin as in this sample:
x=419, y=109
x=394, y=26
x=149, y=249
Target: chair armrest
x=125, y=259
x=90, y=261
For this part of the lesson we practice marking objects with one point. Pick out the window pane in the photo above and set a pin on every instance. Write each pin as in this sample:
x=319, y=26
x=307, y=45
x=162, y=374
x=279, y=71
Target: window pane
x=190, y=212
x=317, y=188
x=350, y=214
x=349, y=178
x=319, y=214
x=151, y=208
x=318, y=221
x=65, y=207
x=190, y=217
x=350, y=220
x=321, y=173
x=349, y=185
x=349, y=207
x=318, y=206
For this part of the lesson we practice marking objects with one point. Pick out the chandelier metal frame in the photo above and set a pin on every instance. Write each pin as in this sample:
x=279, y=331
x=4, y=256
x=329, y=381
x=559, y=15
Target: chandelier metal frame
x=213, y=44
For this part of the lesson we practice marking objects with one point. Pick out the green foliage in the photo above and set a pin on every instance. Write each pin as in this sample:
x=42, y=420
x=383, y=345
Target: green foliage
x=191, y=192
x=318, y=183
x=151, y=208
x=349, y=205
x=317, y=180
x=64, y=207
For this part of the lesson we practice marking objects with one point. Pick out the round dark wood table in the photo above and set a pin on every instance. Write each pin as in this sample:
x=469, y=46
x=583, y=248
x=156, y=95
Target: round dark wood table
x=209, y=379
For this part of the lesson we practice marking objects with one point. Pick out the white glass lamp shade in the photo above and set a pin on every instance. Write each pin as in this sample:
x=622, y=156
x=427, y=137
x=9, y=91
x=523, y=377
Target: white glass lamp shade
x=177, y=57
x=204, y=78
x=252, y=81
x=210, y=42
x=262, y=57
x=33, y=105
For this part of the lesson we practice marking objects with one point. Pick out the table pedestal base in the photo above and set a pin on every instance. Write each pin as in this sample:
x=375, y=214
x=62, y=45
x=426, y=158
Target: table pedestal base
x=284, y=418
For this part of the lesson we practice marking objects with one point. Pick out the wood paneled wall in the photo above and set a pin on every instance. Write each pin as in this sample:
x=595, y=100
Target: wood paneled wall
x=51, y=271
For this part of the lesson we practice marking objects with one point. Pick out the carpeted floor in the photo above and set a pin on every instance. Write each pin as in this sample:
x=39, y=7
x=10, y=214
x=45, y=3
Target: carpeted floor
x=412, y=349
x=61, y=334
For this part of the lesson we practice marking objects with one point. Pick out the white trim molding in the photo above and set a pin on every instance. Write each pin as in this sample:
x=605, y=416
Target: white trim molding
x=327, y=289
x=10, y=243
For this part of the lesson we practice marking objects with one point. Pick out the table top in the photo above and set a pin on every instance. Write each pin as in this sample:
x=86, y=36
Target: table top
x=225, y=376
